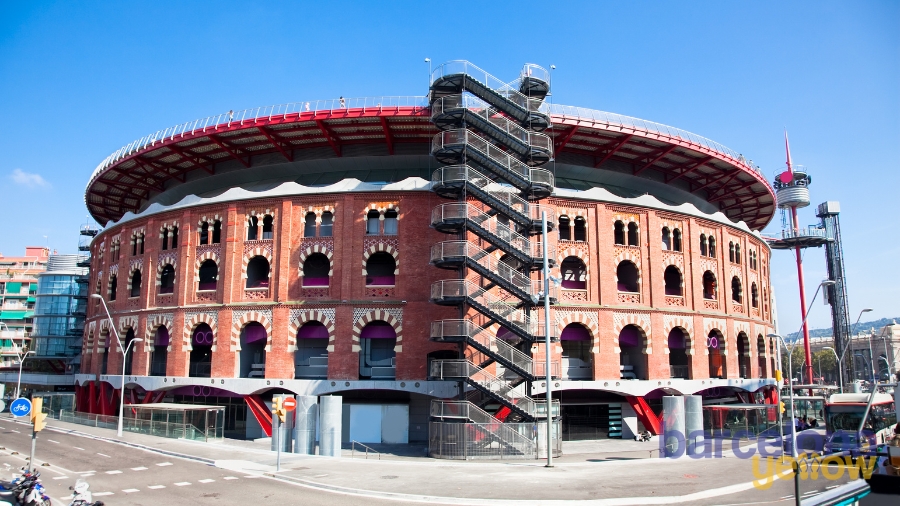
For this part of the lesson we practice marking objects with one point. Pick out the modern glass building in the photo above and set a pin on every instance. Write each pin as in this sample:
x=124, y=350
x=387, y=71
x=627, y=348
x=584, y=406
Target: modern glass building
x=59, y=312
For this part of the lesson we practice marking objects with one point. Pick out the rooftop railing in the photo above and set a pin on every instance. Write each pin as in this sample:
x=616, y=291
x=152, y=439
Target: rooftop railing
x=252, y=115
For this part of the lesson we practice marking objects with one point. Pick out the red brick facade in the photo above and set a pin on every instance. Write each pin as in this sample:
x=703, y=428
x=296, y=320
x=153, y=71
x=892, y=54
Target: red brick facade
x=347, y=300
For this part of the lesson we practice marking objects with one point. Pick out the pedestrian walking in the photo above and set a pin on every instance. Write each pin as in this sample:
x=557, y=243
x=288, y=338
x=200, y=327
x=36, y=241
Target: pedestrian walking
x=343, y=104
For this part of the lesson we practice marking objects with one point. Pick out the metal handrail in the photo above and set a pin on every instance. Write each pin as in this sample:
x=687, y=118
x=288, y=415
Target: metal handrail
x=508, y=90
x=483, y=109
x=487, y=339
x=470, y=139
x=514, y=317
x=353, y=444
x=811, y=231
x=515, y=240
x=503, y=193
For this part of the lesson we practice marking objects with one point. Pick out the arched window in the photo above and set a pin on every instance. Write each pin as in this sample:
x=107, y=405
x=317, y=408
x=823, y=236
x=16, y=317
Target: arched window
x=129, y=357
x=737, y=294
x=619, y=232
x=134, y=246
x=208, y=274
x=715, y=342
x=576, y=352
x=113, y=287
x=754, y=295
x=104, y=365
x=141, y=237
x=673, y=281
x=372, y=225
x=204, y=233
x=632, y=360
x=679, y=365
x=174, y=237
x=309, y=225
x=376, y=354
x=391, y=219
x=268, y=227
x=135, y=284
x=253, y=351
x=703, y=250
x=712, y=247
x=761, y=355
x=710, y=288
x=201, y=352
x=676, y=240
x=380, y=269
x=565, y=230
x=580, y=229
x=666, y=239
x=574, y=273
x=765, y=300
x=633, y=234
x=737, y=253
x=315, y=270
x=159, y=352
x=217, y=232
x=743, y=349
x=627, y=275
x=165, y=240
x=730, y=251
x=167, y=280
x=252, y=228
x=327, y=226
x=258, y=272
x=311, y=357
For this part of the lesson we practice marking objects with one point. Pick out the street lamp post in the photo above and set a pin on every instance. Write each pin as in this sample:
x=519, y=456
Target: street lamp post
x=790, y=391
x=883, y=341
x=20, y=356
x=852, y=332
x=124, y=359
x=840, y=374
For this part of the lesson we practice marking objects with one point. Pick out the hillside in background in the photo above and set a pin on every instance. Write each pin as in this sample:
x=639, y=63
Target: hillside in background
x=862, y=326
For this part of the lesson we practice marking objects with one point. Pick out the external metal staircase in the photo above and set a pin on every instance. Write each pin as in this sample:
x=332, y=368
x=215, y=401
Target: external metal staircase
x=492, y=144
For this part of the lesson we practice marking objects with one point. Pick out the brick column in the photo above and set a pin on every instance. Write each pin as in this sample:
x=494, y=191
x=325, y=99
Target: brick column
x=178, y=359
x=224, y=361
x=343, y=363
x=280, y=363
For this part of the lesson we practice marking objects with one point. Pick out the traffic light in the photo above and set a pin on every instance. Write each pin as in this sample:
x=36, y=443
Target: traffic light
x=781, y=406
x=778, y=376
x=37, y=417
x=278, y=408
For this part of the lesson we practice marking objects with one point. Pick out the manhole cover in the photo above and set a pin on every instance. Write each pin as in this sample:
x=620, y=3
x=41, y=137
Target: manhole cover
x=389, y=477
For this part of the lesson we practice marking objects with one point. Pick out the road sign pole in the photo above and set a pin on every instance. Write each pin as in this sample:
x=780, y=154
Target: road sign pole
x=33, y=442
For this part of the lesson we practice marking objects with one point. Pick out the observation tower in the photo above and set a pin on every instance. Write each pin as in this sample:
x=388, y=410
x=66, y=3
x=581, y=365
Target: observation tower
x=792, y=193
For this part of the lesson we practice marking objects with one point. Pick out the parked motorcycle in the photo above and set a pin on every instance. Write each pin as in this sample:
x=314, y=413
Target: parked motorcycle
x=35, y=495
x=81, y=495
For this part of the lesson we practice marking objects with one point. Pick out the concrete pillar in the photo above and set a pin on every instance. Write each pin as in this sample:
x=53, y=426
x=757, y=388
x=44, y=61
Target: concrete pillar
x=330, y=426
x=673, y=425
x=307, y=413
x=693, y=423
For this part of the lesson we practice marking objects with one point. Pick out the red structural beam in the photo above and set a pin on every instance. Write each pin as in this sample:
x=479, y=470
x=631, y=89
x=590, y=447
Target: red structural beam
x=277, y=144
x=612, y=150
x=228, y=150
x=387, y=135
x=646, y=415
x=328, y=137
x=656, y=157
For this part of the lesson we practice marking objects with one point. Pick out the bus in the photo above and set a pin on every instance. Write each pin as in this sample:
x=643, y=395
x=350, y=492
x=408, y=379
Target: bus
x=843, y=413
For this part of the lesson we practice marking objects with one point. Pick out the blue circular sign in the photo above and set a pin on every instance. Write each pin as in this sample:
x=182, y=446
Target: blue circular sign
x=20, y=407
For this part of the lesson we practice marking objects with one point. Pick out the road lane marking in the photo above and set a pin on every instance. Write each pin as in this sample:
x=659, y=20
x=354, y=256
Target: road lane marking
x=14, y=430
x=252, y=476
x=156, y=487
x=113, y=472
x=102, y=494
x=130, y=490
x=77, y=448
x=206, y=481
x=60, y=477
x=164, y=464
x=182, y=483
x=320, y=476
x=104, y=455
x=231, y=478
x=52, y=441
x=138, y=468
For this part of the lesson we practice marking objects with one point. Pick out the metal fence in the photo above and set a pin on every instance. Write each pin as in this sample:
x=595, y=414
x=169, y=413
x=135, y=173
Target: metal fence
x=149, y=427
x=469, y=441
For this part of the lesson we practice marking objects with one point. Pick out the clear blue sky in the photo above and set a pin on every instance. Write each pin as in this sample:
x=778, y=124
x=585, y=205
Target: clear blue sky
x=79, y=80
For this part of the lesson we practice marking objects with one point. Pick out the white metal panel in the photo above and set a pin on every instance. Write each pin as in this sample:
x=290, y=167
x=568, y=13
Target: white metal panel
x=365, y=423
x=395, y=423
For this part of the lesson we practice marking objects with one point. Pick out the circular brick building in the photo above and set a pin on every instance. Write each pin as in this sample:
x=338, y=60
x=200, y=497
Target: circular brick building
x=296, y=249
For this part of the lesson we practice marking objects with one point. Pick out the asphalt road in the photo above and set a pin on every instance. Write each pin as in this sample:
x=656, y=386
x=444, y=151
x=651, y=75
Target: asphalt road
x=121, y=475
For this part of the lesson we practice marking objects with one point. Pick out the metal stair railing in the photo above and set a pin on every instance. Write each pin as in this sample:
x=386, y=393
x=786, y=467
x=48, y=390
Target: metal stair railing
x=504, y=200
x=492, y=158
x=500, y=389
x=498, y=234
x=465, y=410
x=503, y=90
x=506, y=314
x=483, y=116
x=523, y=287
x=488, y=344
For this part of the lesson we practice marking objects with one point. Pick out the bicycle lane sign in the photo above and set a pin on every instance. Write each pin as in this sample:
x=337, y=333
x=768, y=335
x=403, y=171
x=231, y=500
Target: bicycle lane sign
x=20, y=407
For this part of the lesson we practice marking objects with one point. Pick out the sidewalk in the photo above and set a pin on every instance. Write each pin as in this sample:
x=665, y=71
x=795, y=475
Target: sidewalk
x=601, y=472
